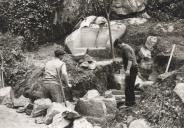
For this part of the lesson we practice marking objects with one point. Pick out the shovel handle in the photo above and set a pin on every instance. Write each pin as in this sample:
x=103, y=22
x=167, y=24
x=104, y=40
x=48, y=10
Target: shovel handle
x=62, y=90
x=167, y=68
x=2, y=77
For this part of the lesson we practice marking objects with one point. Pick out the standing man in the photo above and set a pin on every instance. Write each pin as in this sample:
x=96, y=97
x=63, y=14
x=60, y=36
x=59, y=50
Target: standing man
x=131, y=70
x=52, y=86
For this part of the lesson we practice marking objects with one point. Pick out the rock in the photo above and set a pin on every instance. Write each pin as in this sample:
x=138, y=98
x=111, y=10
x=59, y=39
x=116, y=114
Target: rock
x=145, y=15
x=100, y=20
x=96, y=107
x=54, y=109
x=21, y=110
x=20, y=102
x=40, y=106
x=127, y=6
x=71, y=115
x=82, y=123
x=59, y=122
x=91, y=107
x=84, y=65
x=151, y=42
x=135, y=21
x=87, y=62
x=108, y=94
x=87, y=21
x=179, y=90
x=5, y=95
x=145, y=53
x=93, y=37
x=96, y=120
x=91, y=94
x=140, y=123
x=120, y=125
x=110, y=104
x=92, y=65
x=39, y=120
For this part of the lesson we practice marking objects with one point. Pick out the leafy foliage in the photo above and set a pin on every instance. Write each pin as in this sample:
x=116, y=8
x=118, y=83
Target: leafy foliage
x=31, y=19
x=13, y=59
x=165, y=10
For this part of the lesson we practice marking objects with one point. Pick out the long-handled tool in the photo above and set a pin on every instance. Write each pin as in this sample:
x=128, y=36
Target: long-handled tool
x=108, y=12
x=2, y=77
x=167, y=68
x=62, y=90
x=167, y=74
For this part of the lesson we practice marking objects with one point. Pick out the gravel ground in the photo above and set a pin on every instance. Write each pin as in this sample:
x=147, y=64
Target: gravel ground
x=9, y=118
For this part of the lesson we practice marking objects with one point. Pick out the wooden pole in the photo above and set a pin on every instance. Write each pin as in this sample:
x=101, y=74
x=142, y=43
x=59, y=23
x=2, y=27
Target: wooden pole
x=2, y=76
x=167, y=68
x=62, y=90
x=109, y=26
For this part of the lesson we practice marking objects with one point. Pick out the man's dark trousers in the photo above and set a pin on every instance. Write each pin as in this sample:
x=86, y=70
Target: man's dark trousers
x=129, y=86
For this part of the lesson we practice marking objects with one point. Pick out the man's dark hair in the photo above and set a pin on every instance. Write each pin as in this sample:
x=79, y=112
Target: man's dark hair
x=58, y=53
x=117, y=42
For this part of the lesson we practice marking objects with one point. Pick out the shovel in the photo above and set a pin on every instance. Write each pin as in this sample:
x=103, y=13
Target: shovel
x=167, y=74
x=62, y=89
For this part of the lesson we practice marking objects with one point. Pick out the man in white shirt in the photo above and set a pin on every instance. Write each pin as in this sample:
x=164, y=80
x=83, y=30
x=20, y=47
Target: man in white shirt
x=52, y=86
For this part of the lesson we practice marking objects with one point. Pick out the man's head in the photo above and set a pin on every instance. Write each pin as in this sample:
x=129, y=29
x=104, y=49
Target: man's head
x=118, y=43
x=59, y=53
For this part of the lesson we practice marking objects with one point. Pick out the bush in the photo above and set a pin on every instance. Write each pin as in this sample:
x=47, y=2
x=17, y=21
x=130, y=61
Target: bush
x=165, y=10
x=30, y=18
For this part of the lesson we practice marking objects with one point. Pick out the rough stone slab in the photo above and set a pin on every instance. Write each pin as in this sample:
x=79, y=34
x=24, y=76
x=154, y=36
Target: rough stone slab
x=179, y=90
x=110, y=103
x=91, y=107
x=96, y=120
x=59, y=122
x=20, y=102
x=91, y=94
x=55, y=109
x=40, y=105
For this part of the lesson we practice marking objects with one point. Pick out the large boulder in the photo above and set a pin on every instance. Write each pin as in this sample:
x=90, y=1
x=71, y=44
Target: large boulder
x=59, y=121
x=96, y=107
x=40, y=106
x=5, y=95
x=55, y=109
x=179, y=90
x=93, y=37
x=20, y=102
x=91, y=107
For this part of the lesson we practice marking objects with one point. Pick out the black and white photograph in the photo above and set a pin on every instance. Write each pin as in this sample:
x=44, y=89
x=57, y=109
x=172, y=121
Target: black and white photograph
x=91, y=63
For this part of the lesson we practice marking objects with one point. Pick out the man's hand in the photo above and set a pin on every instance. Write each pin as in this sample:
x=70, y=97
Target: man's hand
x=70, y=85
x=127, y=73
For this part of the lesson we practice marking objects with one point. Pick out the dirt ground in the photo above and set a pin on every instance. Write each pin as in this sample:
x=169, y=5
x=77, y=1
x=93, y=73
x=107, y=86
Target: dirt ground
x=9, y=118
